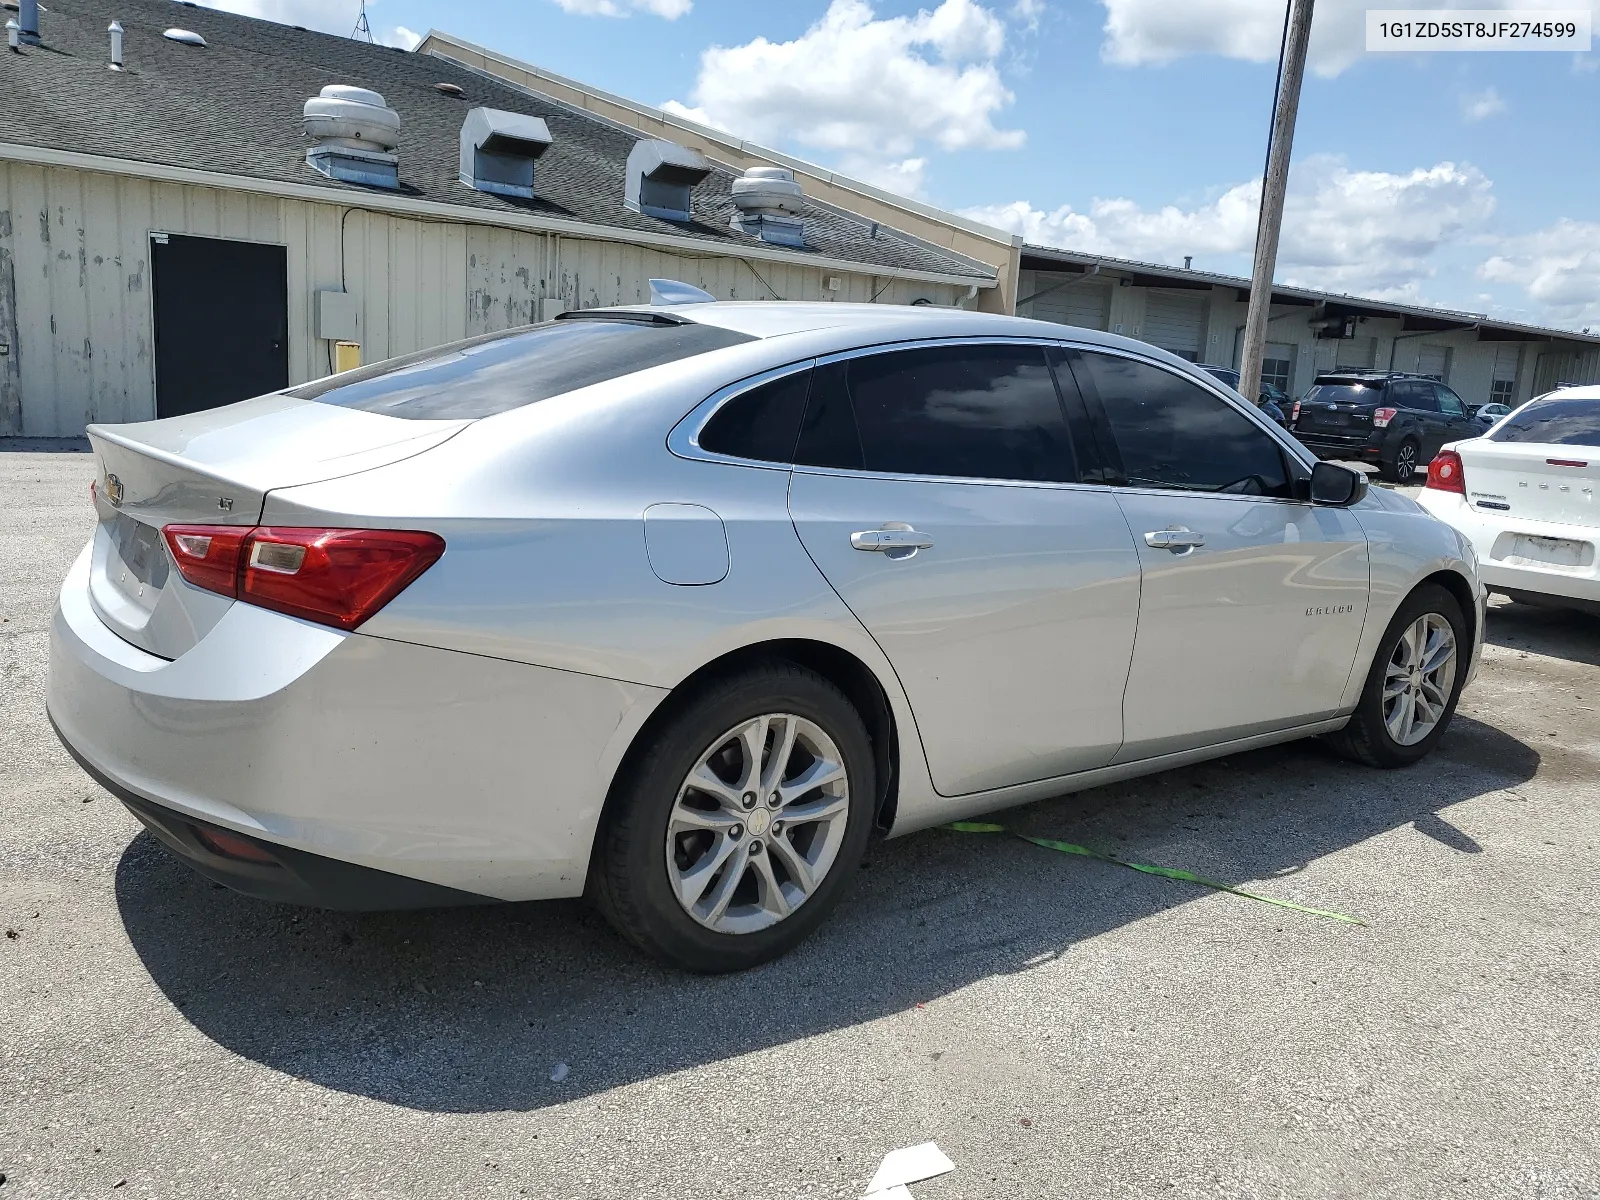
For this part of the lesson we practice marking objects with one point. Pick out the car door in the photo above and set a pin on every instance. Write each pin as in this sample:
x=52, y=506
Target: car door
x=1456, y=422
x=937, y=488
x=1419, y=403
x=1252, y=601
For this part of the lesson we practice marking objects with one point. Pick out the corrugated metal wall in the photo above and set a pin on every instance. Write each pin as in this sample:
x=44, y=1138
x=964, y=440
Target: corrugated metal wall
x=75, y=313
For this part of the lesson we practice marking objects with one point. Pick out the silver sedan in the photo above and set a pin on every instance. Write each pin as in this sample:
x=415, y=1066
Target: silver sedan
x=679, y=606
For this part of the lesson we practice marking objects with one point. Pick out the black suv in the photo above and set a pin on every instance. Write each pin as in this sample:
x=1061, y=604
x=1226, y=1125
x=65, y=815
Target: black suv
x=1396, y=421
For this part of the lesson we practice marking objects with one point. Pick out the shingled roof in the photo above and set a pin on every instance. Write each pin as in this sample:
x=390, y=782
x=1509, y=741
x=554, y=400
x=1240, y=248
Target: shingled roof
x=233, y=107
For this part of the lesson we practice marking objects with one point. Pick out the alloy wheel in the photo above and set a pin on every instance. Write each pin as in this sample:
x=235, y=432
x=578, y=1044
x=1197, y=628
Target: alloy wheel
x=1419, y=679
x=757, y=823
x=1405, y=462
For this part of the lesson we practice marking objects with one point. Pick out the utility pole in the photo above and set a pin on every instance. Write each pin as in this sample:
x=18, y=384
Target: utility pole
x=1291, y=70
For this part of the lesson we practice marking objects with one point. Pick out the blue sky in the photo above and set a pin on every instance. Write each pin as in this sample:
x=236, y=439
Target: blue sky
x=1129, y=127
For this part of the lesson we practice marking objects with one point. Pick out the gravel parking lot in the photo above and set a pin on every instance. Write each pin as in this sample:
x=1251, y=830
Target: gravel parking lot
x=1059, y=1026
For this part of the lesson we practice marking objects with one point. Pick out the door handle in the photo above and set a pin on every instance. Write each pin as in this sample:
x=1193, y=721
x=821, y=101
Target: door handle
x=1175, y=538
x=893, y=542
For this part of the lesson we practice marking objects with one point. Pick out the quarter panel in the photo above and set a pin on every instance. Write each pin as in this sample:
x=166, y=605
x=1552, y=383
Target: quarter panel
x=473, y=773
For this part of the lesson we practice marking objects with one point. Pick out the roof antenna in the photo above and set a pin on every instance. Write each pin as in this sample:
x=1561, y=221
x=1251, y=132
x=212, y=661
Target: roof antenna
x=362, y=32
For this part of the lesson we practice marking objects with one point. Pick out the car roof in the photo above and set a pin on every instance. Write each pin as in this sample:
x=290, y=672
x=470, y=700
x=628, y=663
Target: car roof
x=851, y=325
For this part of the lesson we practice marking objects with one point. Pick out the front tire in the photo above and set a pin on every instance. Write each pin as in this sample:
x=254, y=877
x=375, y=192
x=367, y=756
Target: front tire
x=739, y=826
x=1415, y=681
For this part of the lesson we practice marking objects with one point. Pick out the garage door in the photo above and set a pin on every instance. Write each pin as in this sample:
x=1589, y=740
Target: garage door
x=1176, y=321
x=1435, y=361
x=1356, y=354
x=1087, y=305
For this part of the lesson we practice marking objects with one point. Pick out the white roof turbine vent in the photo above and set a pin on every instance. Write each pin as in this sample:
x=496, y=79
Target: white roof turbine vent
x=769, y=205
x=660, y=177
x=355, y=134
x=498, y=150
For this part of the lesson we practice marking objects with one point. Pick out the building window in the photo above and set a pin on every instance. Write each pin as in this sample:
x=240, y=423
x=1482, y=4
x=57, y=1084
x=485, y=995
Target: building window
x=1276, y=372
x=1503, y=391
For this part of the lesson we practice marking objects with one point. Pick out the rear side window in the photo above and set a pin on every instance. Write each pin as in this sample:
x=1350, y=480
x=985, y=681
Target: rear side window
x=761, y=423
x=1557, y=422
x=1172, y=433
x=985, y=411
x=1417, y=395
x=487, y=375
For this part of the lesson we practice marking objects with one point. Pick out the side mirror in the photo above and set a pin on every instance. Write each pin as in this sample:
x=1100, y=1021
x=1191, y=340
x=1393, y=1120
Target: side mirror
x=1336, y=486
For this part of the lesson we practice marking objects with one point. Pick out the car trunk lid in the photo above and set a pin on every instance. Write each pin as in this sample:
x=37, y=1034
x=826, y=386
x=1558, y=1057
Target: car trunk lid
x=1538, y=481
x=1341, y=409
x=215, y=468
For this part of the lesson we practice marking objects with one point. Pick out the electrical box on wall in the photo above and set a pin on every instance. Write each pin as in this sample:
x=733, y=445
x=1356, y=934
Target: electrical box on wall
x=338, y=316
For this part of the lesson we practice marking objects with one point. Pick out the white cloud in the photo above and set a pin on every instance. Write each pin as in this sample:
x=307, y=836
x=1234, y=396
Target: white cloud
x=873, y=91
x=1558, y=267
x=406, y=39
x=1478, y=105
x=1371, y=232
x=1151, y=32
x=329, y=16
x=669, y=10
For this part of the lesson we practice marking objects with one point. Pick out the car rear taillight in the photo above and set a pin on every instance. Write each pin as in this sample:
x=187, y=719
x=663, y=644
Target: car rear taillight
x=1382, y=416
x=1295, y=415
x=337, y=577
x=208, y=555
x=1445, y=473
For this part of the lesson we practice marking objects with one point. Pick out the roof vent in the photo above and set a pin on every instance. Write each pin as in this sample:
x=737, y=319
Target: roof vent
x=187, y=36
x=769, y=204
x=498, y=149
x=660, y=175
x=356, y=133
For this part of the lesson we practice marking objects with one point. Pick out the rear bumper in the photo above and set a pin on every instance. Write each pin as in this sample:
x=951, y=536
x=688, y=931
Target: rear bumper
x=477, y=776
x=287, y=876
x=1324, y=446
x=1491, y=536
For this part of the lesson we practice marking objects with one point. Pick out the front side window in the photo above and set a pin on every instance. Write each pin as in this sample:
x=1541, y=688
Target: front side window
x=495, y=373
x=986, y=411
x=1449, y=403
x=1172, y=433
x=1556, y=422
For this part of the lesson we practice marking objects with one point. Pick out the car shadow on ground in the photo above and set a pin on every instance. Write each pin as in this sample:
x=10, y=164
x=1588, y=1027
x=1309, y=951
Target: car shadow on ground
x=1555, y=632
x=469, y=1010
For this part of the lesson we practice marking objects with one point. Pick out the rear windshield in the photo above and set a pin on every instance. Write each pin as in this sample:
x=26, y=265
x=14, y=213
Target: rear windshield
x=497, y=372
x=1557, y=422
x=1345, y=393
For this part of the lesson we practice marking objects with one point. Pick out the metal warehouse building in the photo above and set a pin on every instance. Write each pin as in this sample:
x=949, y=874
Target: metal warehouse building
x=1200, y=316
x=245, y=205
x=166, y=245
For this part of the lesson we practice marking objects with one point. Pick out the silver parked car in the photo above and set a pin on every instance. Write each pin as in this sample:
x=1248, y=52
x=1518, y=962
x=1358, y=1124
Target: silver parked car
x=677, y=606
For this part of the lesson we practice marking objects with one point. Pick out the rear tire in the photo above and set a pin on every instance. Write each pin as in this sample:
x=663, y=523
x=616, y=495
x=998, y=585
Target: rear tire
x=1379, y=733
x=1403, y=468
x=740, y=867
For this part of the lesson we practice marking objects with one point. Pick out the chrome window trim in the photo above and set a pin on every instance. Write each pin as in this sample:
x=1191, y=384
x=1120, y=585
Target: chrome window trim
x=684, y=439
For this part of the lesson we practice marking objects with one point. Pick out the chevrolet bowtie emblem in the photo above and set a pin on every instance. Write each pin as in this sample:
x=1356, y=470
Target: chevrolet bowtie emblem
x=114, y=491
